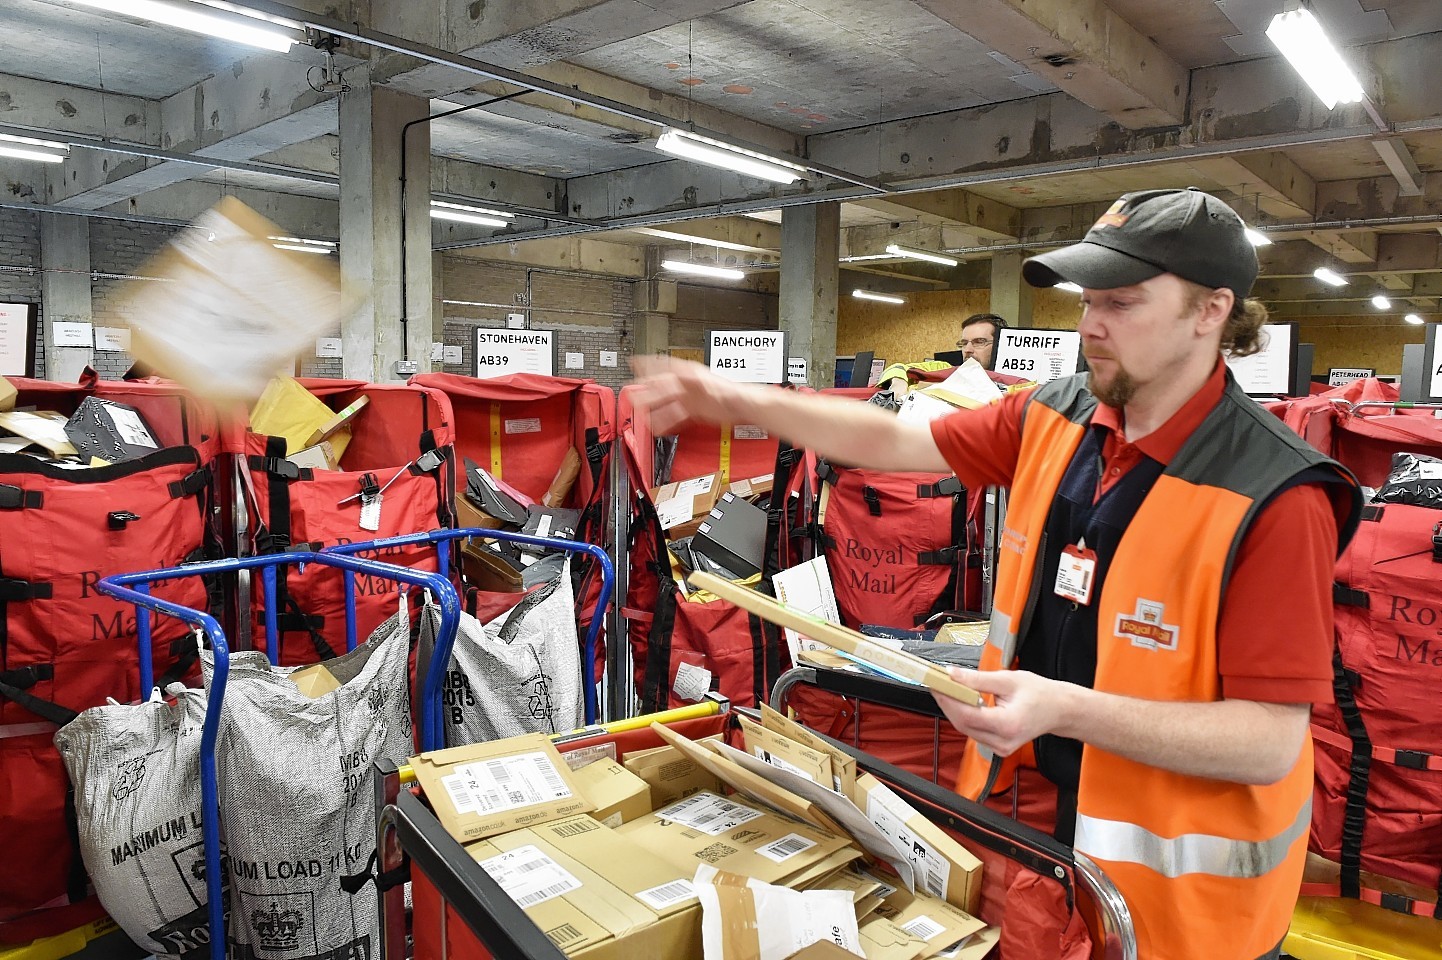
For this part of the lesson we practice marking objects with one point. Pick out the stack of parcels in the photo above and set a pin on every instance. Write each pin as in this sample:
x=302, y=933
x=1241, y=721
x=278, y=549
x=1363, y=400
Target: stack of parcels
x=100, y=432
x=714, y=526
x=698, y=851
x=316, y=437
x=489, y=503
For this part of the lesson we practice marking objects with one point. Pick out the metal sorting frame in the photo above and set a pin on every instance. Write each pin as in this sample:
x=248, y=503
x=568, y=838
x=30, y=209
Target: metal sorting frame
x=1117, y=932
x=442, y=541
x=134, y=588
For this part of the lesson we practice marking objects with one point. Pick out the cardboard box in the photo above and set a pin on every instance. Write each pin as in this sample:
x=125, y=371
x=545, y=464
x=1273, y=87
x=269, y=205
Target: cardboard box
x=470, y=515
x=315, y=680
x=843, y=764
x=752, y=487
x=37, y=428
x=785, y=753
x=895, y=661
x=341, y=421
x=670, y=774
x=484, y=789
x=681, y=506
x=7, y=395
x=564, y=479
x=320, y=456
x=733, y=535
x=944, y=868
x=618, y=795
x=934, y=921
x=111, y=431
x=596, y=894
x=739, y=838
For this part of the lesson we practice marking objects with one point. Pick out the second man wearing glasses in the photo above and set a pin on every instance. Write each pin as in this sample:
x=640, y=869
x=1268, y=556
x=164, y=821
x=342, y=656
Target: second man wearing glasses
x=978, y=338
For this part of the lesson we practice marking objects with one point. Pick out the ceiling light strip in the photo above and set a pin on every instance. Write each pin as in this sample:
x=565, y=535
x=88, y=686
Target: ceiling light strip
x=1309, y=50
x=690, y=146
x=878, y=297
x=702, y=270
x=927, y=255
x=232, y=23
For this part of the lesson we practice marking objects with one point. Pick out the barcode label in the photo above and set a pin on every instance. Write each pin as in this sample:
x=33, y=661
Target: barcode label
x=529, y=876
x=889, y=813
x=708, y=813
x=505, y=783
x=883, y=889
x=923, y=928
x=786, y=848
x=659, y=898
x=573, y=828
x=781, y=763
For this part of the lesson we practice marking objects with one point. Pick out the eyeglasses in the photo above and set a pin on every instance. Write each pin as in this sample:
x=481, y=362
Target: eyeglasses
x=978, y=342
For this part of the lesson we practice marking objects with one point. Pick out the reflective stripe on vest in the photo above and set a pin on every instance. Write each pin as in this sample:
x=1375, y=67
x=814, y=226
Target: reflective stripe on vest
x=1122, y=842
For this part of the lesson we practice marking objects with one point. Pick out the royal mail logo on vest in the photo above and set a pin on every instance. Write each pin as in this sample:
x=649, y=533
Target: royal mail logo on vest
x=1147, y=627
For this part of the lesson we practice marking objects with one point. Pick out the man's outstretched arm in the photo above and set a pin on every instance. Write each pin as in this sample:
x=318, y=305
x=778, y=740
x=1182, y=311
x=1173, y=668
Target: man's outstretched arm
x=856, y=434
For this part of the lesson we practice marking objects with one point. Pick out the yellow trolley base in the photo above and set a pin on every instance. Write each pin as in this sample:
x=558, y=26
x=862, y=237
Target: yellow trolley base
x=1333, y=928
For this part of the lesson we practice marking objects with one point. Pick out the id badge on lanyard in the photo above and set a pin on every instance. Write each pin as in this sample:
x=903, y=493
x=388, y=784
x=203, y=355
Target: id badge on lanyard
x=1076, y=573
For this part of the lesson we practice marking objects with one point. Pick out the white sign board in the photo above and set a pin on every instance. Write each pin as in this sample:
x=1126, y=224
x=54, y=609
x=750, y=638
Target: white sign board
x=575, y=361
x=71, y=334
x=438, y=351
x=115, y=338
x=1268, y=372
x=502, y=352
x=748, y=356
x=15, y=339
x=452, y=355
x=796, y=370
x=1341, y=376
x=1039, y=355
x=327, y=347
x=608, y=358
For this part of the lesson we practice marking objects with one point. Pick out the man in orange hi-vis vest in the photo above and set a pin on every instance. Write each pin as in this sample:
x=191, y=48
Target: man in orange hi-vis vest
x=1162, y=617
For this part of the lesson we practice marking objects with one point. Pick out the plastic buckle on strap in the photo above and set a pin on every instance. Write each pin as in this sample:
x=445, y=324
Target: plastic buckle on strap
x=193, y=483
x=1396, y=902
x=12, y=589
x=268, y=542
x=1437, y=543
x=17, y=498
x=826, y=473
x=873, y=500
x=280, y=467
x=945, y=555
x=950, y=487
x=428, y=461
x=1412, y=759
x=595, y=452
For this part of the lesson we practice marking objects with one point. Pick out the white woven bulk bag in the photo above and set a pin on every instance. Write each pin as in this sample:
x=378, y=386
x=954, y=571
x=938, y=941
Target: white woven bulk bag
x=297, y=800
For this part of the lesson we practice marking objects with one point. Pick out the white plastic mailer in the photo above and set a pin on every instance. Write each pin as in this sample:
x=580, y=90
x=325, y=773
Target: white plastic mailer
x=520, y=673
x=136, y=773
x=297, y=797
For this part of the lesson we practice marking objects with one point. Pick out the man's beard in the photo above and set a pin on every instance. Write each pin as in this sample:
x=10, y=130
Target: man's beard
x=1117, y=392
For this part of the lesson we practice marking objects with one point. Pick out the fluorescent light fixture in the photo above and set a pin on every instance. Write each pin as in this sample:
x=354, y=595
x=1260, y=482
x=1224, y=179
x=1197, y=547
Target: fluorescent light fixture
x=927, y=255
x=313, y=243
x=687, y=238
x=1413, y=318
x=1328, y=276
x=702, y=269
x=28, y=148
x=301, y=248
x=878, y=297
x=460, y=213
x=691, y=146
x=1257, y=238
x=869, y=256
x=1311, y=53
x=1068, y=286
x=1381, y=302
x=212, y=19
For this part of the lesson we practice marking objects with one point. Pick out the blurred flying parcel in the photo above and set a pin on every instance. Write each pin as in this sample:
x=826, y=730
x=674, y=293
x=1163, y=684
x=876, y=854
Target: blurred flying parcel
x=233, y=311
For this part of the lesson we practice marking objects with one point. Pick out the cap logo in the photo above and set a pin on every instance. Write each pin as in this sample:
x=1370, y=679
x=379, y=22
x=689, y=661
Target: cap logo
x=1113, y=217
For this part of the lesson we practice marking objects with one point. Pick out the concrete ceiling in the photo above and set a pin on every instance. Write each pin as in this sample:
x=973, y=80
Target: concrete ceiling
x=961, y=125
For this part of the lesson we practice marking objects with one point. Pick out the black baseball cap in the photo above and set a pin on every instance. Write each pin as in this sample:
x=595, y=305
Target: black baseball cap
x=1188, y=232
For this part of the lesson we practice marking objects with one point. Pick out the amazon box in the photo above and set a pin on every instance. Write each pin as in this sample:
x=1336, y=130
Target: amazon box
x=484, y=789
x=618, y=795
x=683, y=505
x=596, y=894
x=740, y=838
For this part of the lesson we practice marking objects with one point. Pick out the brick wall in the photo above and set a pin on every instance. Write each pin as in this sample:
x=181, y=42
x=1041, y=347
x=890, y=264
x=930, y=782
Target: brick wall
x=587, y=314
x=20, y=268
x=120, y=248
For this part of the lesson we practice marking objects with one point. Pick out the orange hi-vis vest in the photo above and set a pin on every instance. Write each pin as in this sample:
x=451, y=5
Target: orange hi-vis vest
x=1209, y=868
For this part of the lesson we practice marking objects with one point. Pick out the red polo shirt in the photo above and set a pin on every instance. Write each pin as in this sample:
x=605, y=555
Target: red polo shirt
x=1274, y=636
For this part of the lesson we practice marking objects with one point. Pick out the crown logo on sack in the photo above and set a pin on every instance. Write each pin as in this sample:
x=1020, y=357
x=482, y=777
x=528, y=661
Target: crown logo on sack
x=376, y=699
x=128, y=776
x=277, y=929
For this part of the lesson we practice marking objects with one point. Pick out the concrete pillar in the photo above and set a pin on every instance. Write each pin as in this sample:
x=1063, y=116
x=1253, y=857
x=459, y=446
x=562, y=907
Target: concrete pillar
x=810, y=245
x=438, y=309
x=1010, y=294
x=65, y=290
x=651, y=333
x=371, y=120
x=653, y=303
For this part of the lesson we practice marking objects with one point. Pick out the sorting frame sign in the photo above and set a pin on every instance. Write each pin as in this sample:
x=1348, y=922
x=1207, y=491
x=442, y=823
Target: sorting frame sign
x=1038, y=355
x=501, y=352
x=748, y=356
x=1341, y=376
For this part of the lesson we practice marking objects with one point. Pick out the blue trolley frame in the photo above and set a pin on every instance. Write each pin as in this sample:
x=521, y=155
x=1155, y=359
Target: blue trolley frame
x=442, y=540
x=134, y=588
